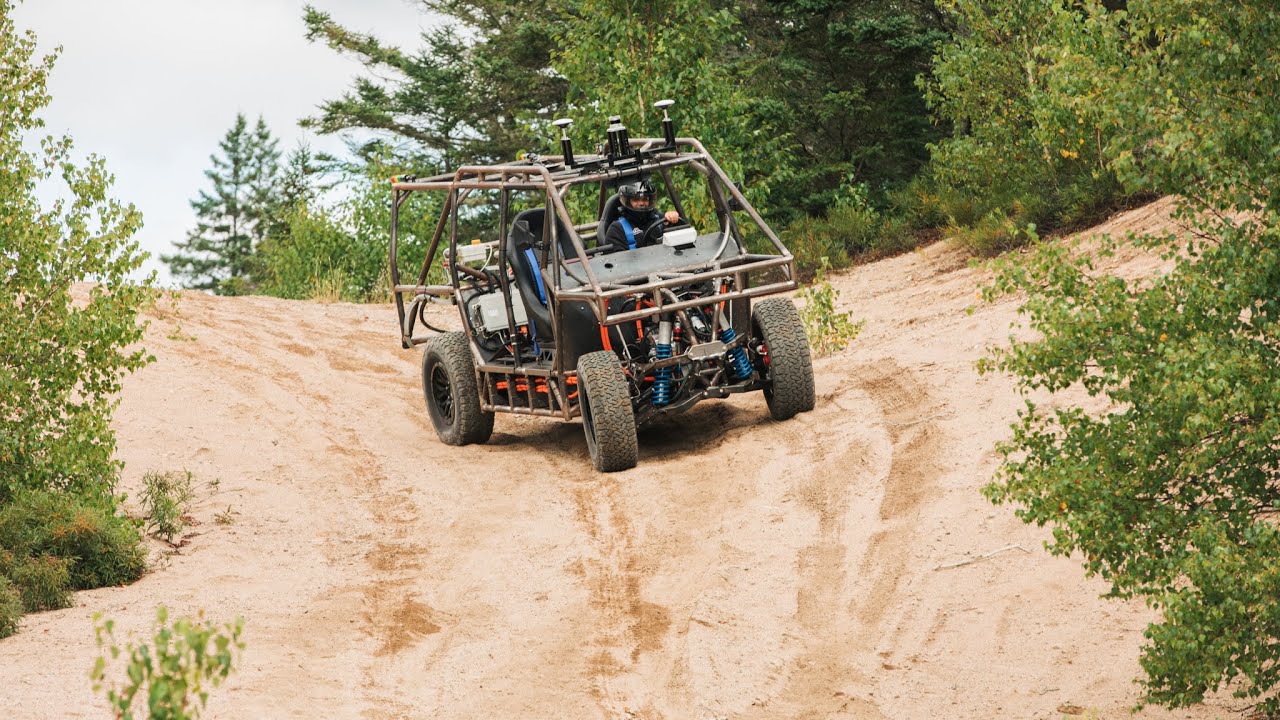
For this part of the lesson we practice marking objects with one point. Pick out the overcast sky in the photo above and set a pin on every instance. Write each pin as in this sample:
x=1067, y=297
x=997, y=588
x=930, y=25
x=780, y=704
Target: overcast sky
x=152, y=85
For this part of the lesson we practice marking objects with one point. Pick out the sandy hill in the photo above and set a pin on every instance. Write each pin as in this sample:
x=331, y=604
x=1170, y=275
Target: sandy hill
x=746, y=569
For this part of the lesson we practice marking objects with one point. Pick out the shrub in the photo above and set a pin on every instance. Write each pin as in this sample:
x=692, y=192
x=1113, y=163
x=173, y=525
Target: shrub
x=918, y=204
x=104, y=548
x=829, y=331
x=812, y=243
x=338, y=252
x=1163, y=482
x=1036, y=146
x=995, y=233
x=848, y=233
x=43, y=582
x=175, y=672
x=10, y=608
x=63, y=356
x=166, y=498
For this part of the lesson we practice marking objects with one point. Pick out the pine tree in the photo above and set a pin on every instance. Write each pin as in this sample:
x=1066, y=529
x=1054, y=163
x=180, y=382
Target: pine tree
x=234, y=217
x=302, y=181
x=470, y=94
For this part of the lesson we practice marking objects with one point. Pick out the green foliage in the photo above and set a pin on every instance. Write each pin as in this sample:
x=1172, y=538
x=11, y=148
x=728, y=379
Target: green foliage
x=166, y=498
x=848, y=233
x=829, y=331
x=10, y=608
x=1170, y=493
x=63, y=349
x=315, y=249
x=174, y=673
x=1025, y=152
x=302, y=182
x=467, y=96
x=44, y=582
x=104, y=548
x=918, y=204
x=839, y=77
x=996, y=232
x=234, y=216
x=339, y=252
x=793, y=98
x=619, y=58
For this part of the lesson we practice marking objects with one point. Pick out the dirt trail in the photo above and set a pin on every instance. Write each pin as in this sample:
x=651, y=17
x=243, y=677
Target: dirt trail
x=746, y=569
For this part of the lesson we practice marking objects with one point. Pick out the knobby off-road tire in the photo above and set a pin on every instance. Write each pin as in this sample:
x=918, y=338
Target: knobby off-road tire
x=607, y=417
x=788, y=376
x=449, y=387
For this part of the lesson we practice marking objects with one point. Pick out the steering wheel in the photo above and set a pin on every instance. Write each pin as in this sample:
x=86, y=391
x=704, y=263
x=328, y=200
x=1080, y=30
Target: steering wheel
x=651, y=233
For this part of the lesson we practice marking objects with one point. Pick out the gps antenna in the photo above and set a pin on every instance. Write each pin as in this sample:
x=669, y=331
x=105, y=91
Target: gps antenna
x=619, y=143
x=566, y=145
x=668, y=126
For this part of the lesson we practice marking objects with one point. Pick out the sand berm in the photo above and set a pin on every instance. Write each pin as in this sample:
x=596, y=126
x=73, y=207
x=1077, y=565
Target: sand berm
x=745, y=569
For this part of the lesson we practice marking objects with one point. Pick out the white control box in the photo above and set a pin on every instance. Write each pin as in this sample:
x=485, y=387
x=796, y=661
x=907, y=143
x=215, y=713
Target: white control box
x=476, y=253
x=679, y=238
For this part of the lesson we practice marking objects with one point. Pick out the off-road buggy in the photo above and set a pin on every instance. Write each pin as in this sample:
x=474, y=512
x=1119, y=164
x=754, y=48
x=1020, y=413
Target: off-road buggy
x=557, y=325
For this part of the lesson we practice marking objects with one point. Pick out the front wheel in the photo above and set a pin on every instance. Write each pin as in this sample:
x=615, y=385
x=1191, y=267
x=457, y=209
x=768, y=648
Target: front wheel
x=784, y=357
x=449, y=385
x=607, y=417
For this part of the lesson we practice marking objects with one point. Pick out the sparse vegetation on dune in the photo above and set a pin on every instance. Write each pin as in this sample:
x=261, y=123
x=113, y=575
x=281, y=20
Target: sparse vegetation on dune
x=170, y=676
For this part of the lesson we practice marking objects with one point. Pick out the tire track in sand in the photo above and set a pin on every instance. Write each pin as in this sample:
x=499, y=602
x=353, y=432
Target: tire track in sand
x=390, y=612
x=820, y=677
x=841, y=598
x=907, y=409
x=626, y=628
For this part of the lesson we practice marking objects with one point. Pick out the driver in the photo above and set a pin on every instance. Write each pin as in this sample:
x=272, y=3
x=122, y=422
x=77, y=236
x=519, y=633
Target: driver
x=636, y=226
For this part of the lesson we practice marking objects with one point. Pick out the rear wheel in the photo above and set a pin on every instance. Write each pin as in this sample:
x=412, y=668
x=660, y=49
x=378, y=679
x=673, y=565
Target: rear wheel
x=784, y=357
x=607, y=417
x=449, y=385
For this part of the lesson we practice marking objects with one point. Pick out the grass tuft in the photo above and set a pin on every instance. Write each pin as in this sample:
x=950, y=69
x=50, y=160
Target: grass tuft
x=166, y=499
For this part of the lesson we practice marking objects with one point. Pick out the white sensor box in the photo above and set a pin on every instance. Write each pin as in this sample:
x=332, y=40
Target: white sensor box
x=680, y=238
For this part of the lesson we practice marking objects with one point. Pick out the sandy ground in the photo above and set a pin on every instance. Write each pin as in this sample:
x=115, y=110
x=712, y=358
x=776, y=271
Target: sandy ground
x=746, y=569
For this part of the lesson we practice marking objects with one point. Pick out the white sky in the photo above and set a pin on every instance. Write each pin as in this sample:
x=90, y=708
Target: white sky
x=153, y=85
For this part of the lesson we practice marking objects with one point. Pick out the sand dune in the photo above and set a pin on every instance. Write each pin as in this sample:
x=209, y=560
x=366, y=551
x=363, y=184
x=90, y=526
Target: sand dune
x=746, y=569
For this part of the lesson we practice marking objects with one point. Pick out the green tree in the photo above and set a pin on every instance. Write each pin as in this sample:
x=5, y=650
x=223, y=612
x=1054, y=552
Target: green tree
x=338, y=250
x=619, y=56
x=64, y=345
x=465, y=96
x=1021, y=152
x=232, y=217
x=793, y=97
x=301, y=184
x=840, y=76
x=1172, y=492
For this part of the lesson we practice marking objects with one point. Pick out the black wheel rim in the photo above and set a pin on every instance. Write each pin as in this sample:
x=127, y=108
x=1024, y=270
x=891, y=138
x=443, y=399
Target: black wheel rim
x=442, y=393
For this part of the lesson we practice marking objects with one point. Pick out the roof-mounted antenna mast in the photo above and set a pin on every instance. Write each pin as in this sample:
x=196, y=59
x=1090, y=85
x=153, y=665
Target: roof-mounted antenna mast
x=619, y=142
x=566, y=145
x=668, y=125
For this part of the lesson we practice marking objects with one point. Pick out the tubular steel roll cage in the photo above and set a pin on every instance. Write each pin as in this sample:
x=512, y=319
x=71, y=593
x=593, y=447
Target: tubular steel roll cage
x=550, y=173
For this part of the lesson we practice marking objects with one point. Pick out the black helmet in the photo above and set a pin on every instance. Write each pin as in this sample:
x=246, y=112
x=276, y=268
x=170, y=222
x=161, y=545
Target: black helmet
x=636, y=190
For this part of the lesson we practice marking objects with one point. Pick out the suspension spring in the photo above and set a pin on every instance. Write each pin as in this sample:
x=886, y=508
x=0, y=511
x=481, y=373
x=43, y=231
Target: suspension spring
x=662, y=377
x=738, y=362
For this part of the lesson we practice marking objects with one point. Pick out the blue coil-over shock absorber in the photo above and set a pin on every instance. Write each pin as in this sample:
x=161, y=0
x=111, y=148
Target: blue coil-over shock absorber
x=739, y=365
x=662, y=376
